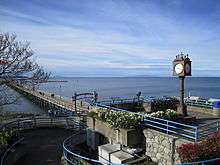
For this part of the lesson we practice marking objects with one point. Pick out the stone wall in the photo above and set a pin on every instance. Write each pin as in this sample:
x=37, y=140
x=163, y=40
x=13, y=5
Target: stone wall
x=162, y=147
x=127, y=137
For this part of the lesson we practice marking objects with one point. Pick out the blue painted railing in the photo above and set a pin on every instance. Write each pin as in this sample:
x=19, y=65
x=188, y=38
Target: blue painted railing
x=170, y=127
x=190, y=132
x=119, y=101
x=199, y=103
x=216, y=160
x=74, y=158
x=202, y=104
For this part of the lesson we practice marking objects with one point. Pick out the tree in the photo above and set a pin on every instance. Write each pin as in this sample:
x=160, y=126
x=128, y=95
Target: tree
x=17, y=64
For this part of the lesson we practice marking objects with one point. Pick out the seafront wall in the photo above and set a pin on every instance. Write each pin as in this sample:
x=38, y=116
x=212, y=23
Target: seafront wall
x=161, y=148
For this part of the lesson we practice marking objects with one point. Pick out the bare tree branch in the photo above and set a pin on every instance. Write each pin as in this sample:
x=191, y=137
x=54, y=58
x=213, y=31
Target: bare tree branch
x=17, y=64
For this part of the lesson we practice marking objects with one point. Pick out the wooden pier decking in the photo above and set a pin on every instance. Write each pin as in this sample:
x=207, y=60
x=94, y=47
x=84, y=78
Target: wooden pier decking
x=51, y=100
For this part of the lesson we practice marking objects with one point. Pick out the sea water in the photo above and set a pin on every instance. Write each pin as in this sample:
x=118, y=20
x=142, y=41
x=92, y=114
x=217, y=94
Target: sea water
x=124, y=87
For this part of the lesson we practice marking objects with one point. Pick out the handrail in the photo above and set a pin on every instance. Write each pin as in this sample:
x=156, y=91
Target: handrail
x=9, y=149
x=143, y=115
x=194, y=133
x=205, y=125
x=200, y=162
x=41, y=121
x=66, y=151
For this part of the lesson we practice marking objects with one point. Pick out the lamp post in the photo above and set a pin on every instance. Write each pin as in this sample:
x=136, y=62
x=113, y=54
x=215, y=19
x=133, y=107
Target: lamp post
x=182, y=68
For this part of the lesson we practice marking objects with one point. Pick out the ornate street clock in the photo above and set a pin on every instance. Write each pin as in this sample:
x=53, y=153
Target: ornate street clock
x=182, y=66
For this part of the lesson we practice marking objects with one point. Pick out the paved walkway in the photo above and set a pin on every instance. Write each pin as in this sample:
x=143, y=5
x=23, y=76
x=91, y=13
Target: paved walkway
x=44, y=146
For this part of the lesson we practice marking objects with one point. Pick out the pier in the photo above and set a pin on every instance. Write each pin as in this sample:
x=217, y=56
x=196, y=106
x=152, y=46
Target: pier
x=51, y=101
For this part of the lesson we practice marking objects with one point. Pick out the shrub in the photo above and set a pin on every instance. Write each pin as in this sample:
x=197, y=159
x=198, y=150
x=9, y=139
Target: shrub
x=117, y=119
x=170, y=114
x=188, y=152
x=210, y=148
x=206, y=149
x=167, y=114
x=6, y=138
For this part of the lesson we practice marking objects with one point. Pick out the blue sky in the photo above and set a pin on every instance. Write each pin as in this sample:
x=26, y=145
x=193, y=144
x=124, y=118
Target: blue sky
x=117, y=37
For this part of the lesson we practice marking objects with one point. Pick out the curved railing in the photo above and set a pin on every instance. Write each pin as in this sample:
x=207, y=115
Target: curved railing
x=215, y=160
x=39, y=122
x=72, y=157
x=75, y=158
x=44, y=121
x=9, y=149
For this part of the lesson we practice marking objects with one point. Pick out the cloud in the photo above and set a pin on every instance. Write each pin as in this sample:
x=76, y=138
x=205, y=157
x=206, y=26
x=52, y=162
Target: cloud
x=131, y=36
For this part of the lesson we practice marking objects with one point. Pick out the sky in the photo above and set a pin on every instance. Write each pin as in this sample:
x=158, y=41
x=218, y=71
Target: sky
x=117, y=37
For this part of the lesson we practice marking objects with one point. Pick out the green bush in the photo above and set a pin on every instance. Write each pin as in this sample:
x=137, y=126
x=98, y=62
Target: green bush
x=6, y=137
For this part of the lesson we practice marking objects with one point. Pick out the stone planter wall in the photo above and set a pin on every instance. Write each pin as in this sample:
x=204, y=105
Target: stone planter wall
x=162, y=147
x=127, y=137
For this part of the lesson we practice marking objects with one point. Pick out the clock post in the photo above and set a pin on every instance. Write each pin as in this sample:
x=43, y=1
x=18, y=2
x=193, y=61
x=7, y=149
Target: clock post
x=182, y=105
x=182, y=68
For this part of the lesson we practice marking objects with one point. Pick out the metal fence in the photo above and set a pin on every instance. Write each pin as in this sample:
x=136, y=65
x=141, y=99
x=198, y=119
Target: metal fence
x=75, y=157
x=171, y=127
x=44, y=121
x=204, y=130
x=38, y=122
x=119, y=101
x=201, y=104
x=194, y=133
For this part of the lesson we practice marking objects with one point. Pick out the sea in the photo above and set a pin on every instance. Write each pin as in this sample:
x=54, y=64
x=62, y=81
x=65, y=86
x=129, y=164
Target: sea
x=123, y=87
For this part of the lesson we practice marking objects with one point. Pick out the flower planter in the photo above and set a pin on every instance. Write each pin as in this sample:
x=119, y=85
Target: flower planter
x=126, y=137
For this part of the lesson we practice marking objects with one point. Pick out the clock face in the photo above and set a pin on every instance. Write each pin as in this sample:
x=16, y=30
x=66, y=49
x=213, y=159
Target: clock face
x=178, y=68
x=187, y=68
